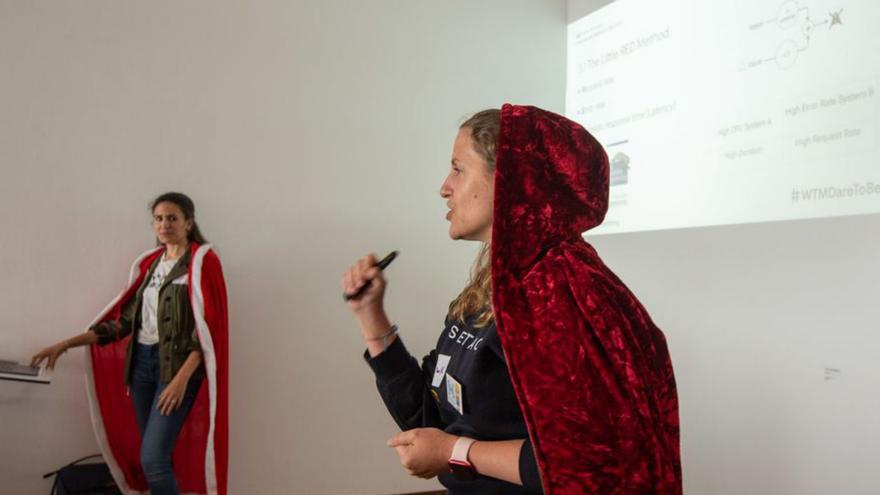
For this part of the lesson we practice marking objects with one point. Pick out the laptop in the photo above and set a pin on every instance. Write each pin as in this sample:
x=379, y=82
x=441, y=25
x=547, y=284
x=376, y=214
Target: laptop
x=11, y=370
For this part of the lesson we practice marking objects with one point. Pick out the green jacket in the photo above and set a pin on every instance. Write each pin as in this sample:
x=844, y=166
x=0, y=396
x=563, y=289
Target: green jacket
x=176, y=325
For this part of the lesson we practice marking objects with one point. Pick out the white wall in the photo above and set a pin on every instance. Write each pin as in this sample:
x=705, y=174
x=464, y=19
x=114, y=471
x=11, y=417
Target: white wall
x=758, y=318
x=308, y=132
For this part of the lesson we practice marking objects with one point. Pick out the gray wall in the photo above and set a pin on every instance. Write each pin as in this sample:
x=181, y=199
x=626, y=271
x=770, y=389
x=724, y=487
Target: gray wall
x=308, y=133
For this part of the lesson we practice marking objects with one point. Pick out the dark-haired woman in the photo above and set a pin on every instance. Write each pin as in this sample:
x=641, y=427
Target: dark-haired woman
x=549, y=374
x=158, y=341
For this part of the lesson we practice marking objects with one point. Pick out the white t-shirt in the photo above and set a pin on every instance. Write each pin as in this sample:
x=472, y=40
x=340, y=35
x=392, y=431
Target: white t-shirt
x=149, y=333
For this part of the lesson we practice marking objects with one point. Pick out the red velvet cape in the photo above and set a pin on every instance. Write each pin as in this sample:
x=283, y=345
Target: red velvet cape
x=591, y=370
x=201, y=453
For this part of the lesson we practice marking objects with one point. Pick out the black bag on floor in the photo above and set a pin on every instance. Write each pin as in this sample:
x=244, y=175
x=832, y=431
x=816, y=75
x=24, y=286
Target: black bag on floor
x=83, y=479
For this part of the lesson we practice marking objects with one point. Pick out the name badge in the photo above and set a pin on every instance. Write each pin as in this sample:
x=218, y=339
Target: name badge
x=454, y=394
x=440, y=370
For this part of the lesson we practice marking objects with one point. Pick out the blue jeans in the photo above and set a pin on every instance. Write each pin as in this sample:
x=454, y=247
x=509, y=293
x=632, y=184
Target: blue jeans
x=158, y=432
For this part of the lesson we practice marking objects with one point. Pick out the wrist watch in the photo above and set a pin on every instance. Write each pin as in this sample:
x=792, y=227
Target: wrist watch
x=459, y=465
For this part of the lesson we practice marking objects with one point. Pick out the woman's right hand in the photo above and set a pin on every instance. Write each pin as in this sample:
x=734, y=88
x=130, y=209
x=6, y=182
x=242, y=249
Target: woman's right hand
x=365, y=271
x=368, y=308
x=50, y=354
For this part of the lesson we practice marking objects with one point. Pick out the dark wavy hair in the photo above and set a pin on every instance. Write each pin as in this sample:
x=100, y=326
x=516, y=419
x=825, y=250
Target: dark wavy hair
x=188, y=208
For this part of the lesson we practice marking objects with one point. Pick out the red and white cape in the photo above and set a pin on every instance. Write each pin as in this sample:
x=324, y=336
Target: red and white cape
x=200, y=456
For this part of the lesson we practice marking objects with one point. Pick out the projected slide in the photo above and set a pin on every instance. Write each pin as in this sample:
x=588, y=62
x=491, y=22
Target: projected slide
x=718, y=112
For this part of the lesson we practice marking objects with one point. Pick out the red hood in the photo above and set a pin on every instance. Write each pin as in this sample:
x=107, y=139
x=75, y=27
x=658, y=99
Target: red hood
x=551, y=182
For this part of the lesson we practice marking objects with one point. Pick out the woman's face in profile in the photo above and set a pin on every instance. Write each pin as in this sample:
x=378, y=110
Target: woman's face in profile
x=169, y=224
x=468, y=191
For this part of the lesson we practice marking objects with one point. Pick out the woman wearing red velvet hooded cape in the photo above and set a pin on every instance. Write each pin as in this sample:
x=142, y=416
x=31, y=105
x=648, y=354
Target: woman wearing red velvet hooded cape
x=591, y=370
x=203, y=439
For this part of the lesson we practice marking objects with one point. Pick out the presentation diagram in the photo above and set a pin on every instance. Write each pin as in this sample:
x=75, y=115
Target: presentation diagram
x=797, y=26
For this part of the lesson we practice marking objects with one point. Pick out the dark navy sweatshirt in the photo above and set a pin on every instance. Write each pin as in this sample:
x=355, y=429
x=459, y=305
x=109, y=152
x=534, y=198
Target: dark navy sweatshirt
x=488, y=410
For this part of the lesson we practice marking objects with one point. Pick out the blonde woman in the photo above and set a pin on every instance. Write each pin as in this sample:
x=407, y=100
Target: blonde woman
x=549, y=376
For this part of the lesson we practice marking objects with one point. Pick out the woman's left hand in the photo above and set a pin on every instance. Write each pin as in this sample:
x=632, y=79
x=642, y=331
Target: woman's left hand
x=424, y=452
x=172, y=396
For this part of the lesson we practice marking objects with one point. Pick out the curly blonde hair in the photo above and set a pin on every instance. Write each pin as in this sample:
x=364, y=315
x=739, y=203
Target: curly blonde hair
x=474, y=303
